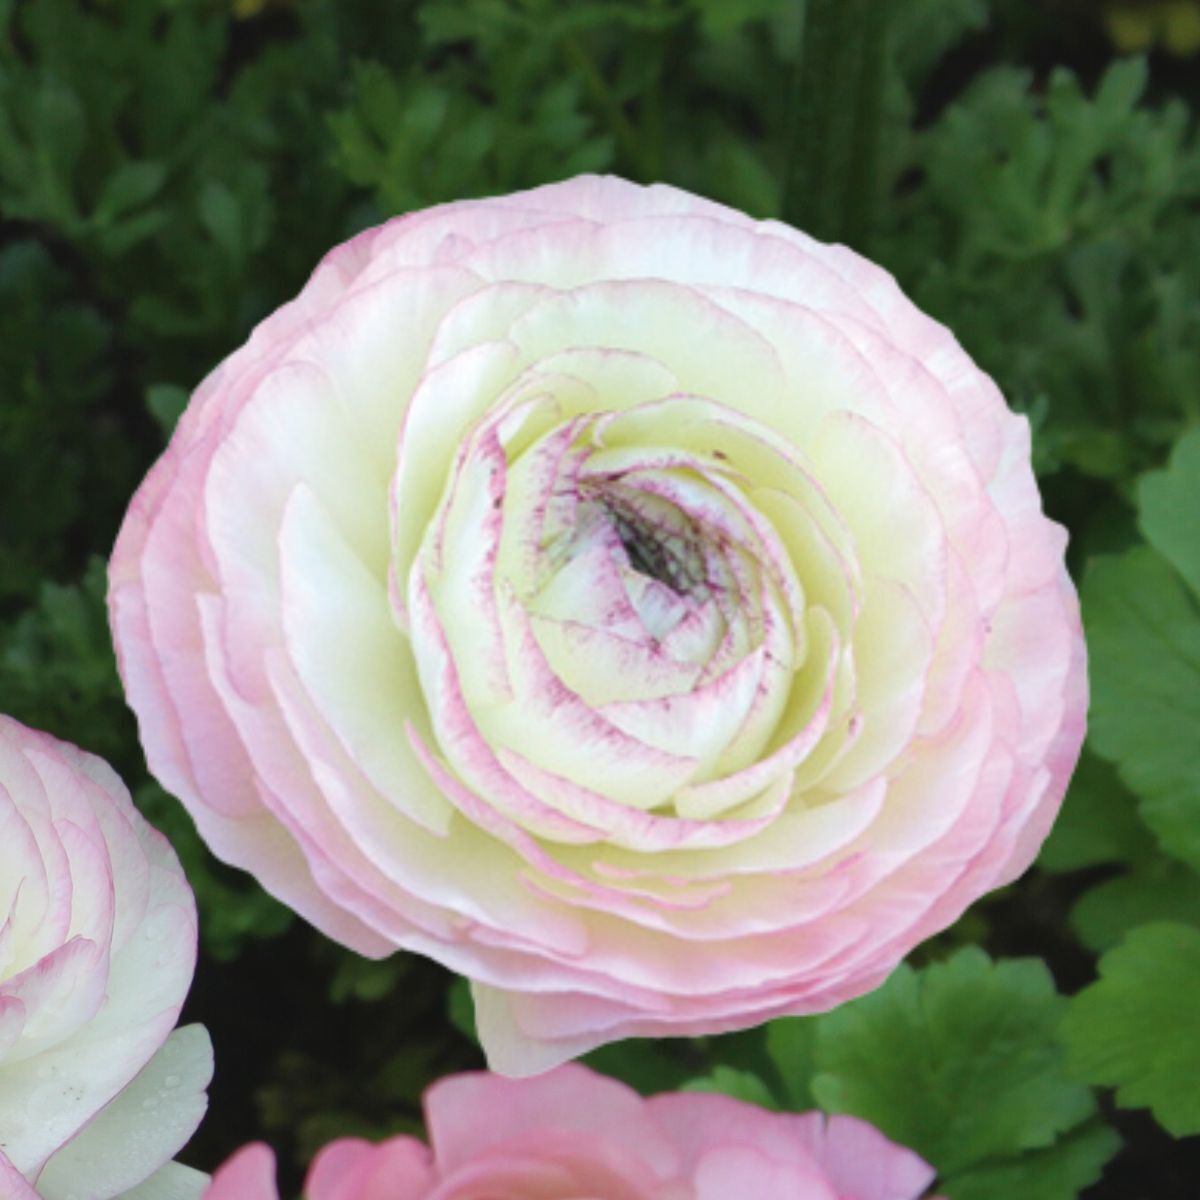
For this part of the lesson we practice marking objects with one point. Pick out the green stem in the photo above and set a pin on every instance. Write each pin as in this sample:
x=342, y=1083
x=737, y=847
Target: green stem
x=651, y=109
x=831, y=177
x=625, y=135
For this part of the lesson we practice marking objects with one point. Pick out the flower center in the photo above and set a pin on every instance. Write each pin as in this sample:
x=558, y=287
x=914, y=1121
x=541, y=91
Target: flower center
x=657, y=553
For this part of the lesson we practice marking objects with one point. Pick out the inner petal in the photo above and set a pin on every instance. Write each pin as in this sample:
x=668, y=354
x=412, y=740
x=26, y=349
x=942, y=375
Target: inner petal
x=648, y=618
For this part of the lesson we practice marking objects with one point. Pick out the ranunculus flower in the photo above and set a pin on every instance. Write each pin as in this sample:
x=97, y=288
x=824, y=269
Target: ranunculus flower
x=572, y=1133
x=642, y=610
x=97, y=948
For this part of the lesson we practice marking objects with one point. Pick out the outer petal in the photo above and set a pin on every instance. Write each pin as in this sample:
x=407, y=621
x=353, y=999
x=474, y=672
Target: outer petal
x=248, y=1175
x=170, y=1182
x=468, y=1115
x=15, y=1185
x=148, y=1122
x=398, y=1169
x=860, y=1162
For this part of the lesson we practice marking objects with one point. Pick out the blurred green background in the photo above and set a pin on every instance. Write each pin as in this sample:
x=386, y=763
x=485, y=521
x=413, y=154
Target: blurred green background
x=171, y=170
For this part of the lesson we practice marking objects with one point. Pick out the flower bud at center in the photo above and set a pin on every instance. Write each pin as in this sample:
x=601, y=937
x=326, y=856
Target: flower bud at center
x=657, y=553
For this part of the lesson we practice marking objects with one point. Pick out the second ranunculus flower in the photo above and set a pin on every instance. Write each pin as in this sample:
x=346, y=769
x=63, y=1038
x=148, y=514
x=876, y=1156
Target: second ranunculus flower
x=642, y=610
x=97, y=944
x=572, y=1134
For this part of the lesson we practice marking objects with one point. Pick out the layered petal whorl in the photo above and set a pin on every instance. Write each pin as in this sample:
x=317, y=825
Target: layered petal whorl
x=97, y=949
x=642, y=610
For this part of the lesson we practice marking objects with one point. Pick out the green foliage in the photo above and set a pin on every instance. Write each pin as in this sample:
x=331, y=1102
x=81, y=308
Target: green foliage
x=1169, y=509
x=57, y=367
x=169, y=175
x=165, y=402
x=58, y=665
x=60, y=675
x=962, y=1062
x=730, y=1081
x=649, y=1066
x=1156, y=890
x=1138, y=1027
x=792, y=1046
x=1098, y=823
x=234, y=911
x=1058, y=1173
x=831, y=181
x=460, y=1008
x=1143, y=623
x=425, y=140
x=1054, y=232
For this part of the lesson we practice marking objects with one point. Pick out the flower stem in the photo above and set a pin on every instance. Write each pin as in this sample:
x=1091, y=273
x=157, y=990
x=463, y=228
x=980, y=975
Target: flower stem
x=622, y=129
x=831, y=176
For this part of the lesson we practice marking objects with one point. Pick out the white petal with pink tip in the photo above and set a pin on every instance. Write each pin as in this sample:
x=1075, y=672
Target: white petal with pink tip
x=97, y=948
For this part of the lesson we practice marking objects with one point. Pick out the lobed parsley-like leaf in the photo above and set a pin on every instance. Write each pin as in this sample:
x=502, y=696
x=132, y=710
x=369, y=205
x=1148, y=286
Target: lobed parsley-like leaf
x=1143, y=623
x=1158, y=889
x=1054, y=231
x=1057, y=1173
x=1137, y=1028
x=731, y=1081
x=959, y=1062
x=1169, y=508
x=1098, y=823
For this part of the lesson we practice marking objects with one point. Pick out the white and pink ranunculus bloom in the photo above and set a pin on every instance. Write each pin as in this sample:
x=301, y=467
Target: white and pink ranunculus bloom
x=571, y=1133
x=642, y=610
x=97, y=948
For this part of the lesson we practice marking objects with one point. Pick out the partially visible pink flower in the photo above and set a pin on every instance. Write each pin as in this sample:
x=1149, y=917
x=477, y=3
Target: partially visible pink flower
x=97, y=949
x=571, y=1133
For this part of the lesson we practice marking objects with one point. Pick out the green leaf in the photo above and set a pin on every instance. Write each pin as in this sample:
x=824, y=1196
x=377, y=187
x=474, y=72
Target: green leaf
x=925, y=30
x=722, y=16
x=1157, y=890
x=1122, y=87
x=58, y=128
x=1055, y=233
x=792, y=1045
x=730, y=1081
x=648, y=1065
x=57, y=665
x=221, y=216
x=1169, y=509
x=128, y=187
x=165, y=403
x=461, y=1009
x=1059, y=1173
x=1137, y=1028
x=1098, y=824
x=960, y=1061
x=131, y=231
x=365, y=979
x=1143, y=630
